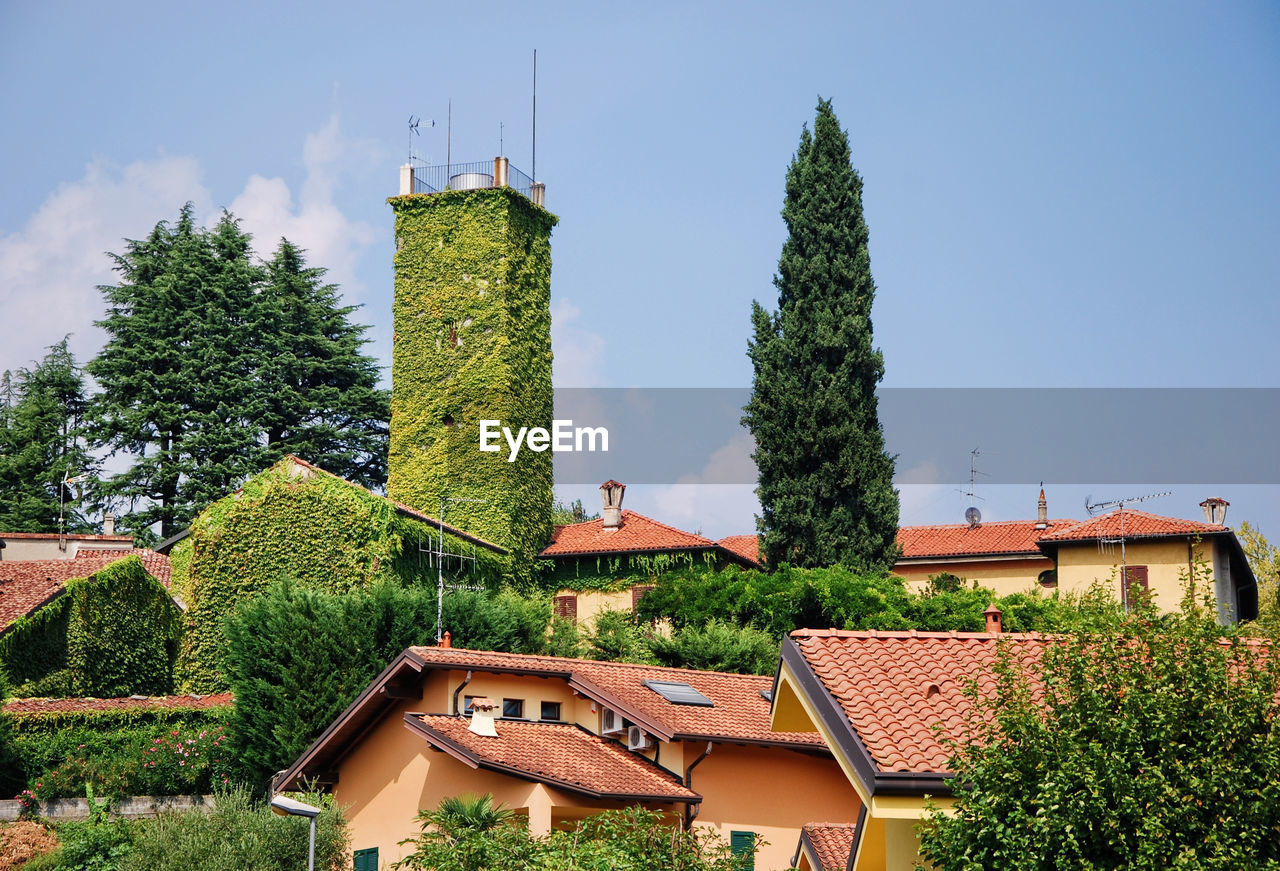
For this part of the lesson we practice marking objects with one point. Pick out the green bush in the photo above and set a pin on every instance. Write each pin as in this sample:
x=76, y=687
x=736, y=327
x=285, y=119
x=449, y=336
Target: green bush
x=716, y=646
x=297, y=657
x=616, y=637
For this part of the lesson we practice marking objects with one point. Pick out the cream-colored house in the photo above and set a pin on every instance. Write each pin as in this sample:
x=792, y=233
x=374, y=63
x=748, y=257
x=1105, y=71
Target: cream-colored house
x=558, y=739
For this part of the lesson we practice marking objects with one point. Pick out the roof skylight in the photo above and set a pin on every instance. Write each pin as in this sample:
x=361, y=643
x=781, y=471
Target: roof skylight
x=679, y=693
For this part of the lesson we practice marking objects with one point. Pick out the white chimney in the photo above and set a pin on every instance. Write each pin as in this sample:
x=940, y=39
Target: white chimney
x=1042, y=511
x=611, y=493
x=483, y=712
x=1215, y=510
x=108, y=524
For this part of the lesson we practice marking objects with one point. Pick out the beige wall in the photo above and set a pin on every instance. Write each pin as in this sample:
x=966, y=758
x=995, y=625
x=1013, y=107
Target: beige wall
x=1080, y=565
x=772, y=792
x=592, y=602
x=49, y=547
x=1003, y=576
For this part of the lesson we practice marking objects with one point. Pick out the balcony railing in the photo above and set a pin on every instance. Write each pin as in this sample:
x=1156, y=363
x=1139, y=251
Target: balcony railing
x=432, y=179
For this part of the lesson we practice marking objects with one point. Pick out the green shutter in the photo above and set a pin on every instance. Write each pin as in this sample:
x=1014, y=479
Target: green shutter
x=743, y=844
x=366, y=860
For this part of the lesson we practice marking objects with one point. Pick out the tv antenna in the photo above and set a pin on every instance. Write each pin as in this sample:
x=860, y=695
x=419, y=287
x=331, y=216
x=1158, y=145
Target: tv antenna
x=68, y=483
x=440, y=554
x=972, y=515
x=1094, y=507
x=414, y=121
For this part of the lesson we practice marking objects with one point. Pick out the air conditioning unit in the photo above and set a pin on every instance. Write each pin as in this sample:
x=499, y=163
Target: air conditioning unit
x=638, y=739
x=611, y=722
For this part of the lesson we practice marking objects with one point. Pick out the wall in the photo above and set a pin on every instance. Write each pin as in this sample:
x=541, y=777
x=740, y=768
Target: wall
x=1079, y=565
x=1003, y=576
x=771, y=791
x=33, y=545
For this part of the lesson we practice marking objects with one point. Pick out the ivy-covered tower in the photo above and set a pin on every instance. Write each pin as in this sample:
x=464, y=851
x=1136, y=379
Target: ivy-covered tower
x=472, y=314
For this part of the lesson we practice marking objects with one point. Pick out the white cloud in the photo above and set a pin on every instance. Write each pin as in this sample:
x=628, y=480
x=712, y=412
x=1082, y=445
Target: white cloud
x=702, y=502
x=51, y=267
x=579, y=353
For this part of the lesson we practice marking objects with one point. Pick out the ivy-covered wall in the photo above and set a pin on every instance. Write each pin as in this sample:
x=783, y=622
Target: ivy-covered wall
x=472, y=316
x=315, y=530
x=114, y=633
x=612, y=572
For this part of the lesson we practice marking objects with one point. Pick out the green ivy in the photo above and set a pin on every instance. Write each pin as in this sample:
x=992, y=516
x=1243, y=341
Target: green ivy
x=613, y=573
x=472, y=314
x=114, y=633
x=315, y=531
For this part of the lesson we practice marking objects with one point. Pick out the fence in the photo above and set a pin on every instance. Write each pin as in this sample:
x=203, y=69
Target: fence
x=432, y=179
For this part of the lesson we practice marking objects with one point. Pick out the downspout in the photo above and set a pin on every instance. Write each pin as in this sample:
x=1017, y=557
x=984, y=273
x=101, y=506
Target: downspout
x=691, y=812
x=462, y=686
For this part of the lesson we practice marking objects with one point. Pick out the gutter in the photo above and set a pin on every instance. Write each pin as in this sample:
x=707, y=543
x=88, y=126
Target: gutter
x=462, y=686
x=690, y=811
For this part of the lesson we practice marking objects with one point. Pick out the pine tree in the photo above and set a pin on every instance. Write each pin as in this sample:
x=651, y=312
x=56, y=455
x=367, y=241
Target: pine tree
x=42, y=444
x=825, y=482
x=319, y=394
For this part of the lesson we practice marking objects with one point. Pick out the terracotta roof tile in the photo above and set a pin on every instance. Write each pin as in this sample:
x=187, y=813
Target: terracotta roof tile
x=157, y=563
x=895, y=687
x=1137, y=524
x=960, y=539
x=746, y=546
x=739, y=712
x=637, y=534
x=36, y=707
x=557, y=754
x=829, y=844
x=26, y=585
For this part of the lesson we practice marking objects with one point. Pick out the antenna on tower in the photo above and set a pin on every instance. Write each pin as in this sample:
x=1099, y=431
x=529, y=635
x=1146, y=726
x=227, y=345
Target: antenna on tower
x=534, y=168
x=438, y=552
x=414, y=121
x=1094, y=507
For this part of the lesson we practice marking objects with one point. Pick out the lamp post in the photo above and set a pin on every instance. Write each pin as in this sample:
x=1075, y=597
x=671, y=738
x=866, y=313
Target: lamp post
x=288, y=807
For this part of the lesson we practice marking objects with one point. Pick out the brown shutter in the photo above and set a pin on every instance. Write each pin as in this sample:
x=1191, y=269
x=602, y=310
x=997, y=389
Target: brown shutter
x=1135, y=578
x=637, y=593
x=567, y=607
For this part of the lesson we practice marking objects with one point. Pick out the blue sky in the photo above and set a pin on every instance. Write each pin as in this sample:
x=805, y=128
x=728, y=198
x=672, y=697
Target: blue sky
x=1083, y=195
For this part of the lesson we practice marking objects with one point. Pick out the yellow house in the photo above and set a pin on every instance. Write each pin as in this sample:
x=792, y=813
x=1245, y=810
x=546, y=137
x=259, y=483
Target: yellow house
x=885, y=702
x=558, y=739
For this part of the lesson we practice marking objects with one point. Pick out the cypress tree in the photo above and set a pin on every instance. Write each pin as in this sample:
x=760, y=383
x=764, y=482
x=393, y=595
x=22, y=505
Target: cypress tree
x=825, y=481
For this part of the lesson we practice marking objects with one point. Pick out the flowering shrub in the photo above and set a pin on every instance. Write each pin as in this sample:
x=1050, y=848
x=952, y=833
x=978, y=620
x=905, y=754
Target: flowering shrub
x=178, y=761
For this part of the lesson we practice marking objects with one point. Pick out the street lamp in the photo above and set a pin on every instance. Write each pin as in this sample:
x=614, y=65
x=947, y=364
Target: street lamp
x=288, y=807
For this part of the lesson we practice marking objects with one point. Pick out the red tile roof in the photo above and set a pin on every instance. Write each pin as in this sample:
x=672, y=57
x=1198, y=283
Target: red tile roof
x=36, y=707
x=637, y=534
x=828, y=844
x=26, y=585
x=985, y=539
x=746, y=546
x=157, y=564
x=561, y=755
x=739, y=712
x=896, y=687
x=1137, y=524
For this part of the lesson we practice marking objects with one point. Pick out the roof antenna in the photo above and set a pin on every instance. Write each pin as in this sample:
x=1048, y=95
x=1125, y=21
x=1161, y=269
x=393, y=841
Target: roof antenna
x=534, y=168
x=414, y=121
x=1094, y=507
x=972, y=515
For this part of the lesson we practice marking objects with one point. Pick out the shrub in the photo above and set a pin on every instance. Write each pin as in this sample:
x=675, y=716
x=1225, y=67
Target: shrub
x=716, y=646
x=616, y=637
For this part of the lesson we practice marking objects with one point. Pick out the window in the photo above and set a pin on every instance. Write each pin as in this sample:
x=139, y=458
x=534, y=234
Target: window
x=744, y=844
x=566, y=607
x=679, y=693
x=550, y=711
x=1048, y=578
x=366, y=860
x=1135, y=583
x=513, y=709
x=466, y=704
x=637, y=593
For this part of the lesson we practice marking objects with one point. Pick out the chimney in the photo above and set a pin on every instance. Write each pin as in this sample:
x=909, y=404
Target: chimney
x=611, y=493
x=1215, y=510
x=1042, y=510
x=993, y=615
x=447, y=640
x=108, y=524
x=483, y=713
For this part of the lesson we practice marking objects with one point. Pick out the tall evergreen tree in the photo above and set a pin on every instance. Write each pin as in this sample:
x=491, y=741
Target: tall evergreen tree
x=215, y=366
x=42, y=444
x=319, y=395
x=825, y=482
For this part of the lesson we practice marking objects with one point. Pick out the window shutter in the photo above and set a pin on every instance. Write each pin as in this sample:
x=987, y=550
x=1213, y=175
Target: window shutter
x=366, y=860
x=567, y=607
x=743, y=847
x=1135, y=578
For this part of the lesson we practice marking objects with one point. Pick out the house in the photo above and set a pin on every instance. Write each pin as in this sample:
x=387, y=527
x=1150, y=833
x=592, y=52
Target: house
x=606, y=564
x=28, y=585
x=558, y=739
x=824, y=846
x=22, y=546
x=885, y=703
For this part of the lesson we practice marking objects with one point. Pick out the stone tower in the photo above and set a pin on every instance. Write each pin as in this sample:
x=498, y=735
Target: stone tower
x=472, y=315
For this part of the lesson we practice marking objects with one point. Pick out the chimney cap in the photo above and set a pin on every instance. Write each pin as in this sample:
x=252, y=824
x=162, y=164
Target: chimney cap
x=1214, y=500
x=994, y=619
x=612, y=483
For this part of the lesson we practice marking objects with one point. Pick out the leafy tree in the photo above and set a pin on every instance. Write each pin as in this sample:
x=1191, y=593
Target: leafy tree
x=1153, y=745
x=717, y=646
x=615, y=637
x=215, y=367
x=825, y=481
x=42, y=445
x=1264, y=560
x=317, y=394
x=11, y=775
x=567, y=514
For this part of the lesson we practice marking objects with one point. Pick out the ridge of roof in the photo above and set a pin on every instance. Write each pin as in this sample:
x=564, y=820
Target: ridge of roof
x=985, y=539
x=1137, y=524
x=829, y=844
x=28, y=585
x=646, y=535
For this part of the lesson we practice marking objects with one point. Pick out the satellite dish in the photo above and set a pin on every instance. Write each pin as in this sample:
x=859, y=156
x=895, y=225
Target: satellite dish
x=973, y=515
